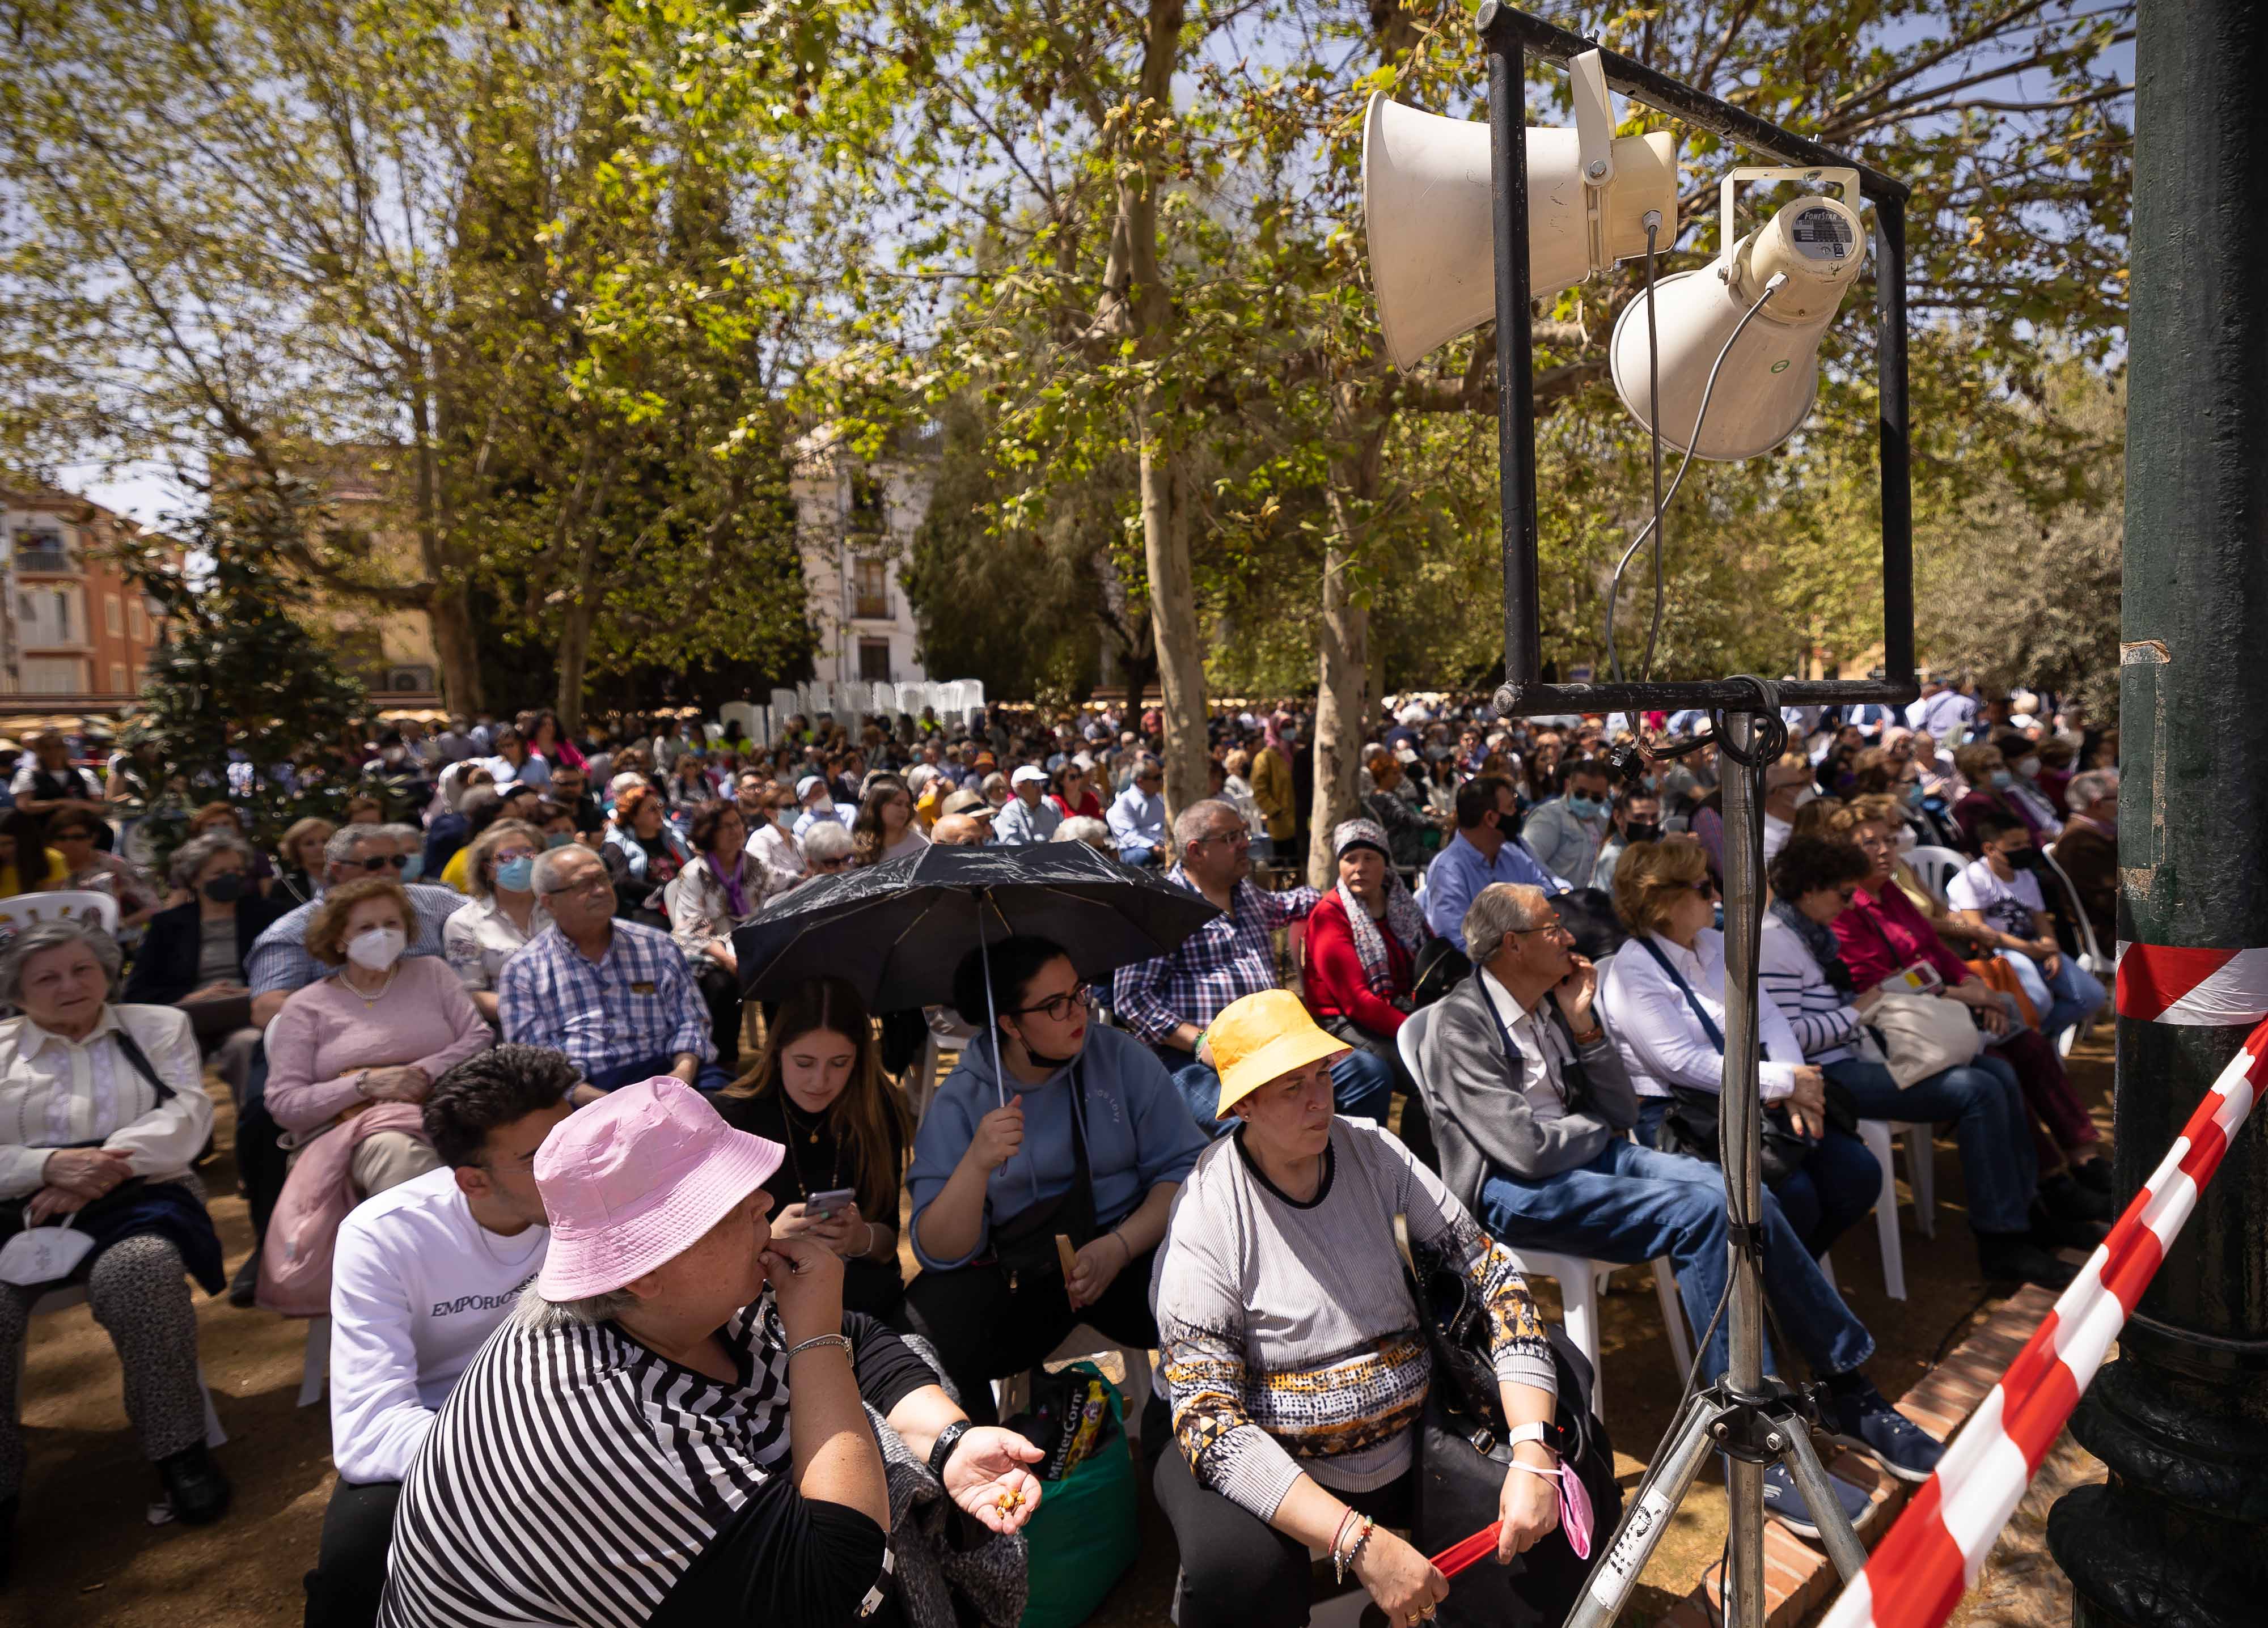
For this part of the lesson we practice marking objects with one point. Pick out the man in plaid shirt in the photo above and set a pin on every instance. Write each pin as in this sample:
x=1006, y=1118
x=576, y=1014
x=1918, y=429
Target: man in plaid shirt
x=615, y=996
x=1169, y=1001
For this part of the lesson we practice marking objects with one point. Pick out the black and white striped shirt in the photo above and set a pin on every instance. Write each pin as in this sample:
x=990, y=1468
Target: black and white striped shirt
x=576, y=1477
x=1825, y=1025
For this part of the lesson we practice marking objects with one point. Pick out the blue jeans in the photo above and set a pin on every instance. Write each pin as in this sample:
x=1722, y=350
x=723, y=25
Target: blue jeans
x=2072, y=993
x=1630, y=1204
x=1833, y=1189
x=710, y=1079
x=1361, y=1085
x=1985, y=1103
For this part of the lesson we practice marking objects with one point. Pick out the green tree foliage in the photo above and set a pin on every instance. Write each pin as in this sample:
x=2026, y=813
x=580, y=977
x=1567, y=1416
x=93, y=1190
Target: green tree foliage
x=2019, y=591
x=237, y=670
x=433, y=251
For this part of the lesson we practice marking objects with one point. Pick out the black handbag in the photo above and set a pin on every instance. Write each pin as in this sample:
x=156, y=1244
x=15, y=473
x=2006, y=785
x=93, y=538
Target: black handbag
x=1690, y=1126
x=1462, y=1460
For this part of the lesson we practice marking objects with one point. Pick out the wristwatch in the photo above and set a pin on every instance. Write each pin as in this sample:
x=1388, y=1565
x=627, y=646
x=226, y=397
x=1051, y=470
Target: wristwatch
x=947, y=1439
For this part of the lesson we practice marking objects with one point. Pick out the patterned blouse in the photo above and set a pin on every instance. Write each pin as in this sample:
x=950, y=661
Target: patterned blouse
x=1291, y=1342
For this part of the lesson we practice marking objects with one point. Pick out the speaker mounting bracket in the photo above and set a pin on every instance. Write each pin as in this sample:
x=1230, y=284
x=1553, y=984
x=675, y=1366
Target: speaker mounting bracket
x=1510, y=37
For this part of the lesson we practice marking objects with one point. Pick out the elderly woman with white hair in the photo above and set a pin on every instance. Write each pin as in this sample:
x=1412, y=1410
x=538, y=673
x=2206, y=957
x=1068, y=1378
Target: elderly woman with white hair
x=102, y=1110
x=707, y=1365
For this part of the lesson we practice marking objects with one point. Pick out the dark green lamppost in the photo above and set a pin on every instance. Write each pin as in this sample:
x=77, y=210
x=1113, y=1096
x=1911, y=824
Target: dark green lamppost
x=2179, y=1537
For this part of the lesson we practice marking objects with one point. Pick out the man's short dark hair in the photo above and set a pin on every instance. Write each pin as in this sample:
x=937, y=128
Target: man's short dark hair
x=1476, y=798
x=1993, y=825
x=1812, y=864
x=484, y=1092
x=1585, y=767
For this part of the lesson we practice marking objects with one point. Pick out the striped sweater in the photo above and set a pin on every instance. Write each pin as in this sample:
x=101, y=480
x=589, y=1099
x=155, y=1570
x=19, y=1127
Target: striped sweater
x=1290, y=1341
x=1824, y=1024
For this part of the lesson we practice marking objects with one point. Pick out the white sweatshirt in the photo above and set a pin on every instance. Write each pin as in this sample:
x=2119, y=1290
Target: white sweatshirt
x=417, y=1287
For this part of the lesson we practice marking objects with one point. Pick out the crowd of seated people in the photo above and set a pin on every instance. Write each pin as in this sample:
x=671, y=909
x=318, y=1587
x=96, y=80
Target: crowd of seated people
x=463, y=1024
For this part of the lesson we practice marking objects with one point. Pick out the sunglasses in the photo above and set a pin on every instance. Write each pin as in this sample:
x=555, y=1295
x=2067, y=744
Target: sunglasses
x=397, y=860
x=830, y=864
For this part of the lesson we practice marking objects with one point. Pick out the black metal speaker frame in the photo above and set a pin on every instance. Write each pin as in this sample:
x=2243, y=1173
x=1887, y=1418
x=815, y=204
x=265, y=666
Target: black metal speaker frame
x=1510, y=37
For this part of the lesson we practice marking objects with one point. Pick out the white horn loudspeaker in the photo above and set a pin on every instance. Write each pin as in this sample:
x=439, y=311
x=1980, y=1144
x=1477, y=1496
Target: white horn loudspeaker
x=1765, y=382
x=1426, y=189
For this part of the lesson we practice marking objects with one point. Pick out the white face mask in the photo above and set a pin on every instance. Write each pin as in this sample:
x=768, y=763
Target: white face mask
x=2028, y=766
x=1806, y=794
x=376, y=948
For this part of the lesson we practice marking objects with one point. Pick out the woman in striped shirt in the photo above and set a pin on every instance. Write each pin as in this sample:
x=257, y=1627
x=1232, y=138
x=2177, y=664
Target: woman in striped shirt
x=1800, y=965
x=674, y=1434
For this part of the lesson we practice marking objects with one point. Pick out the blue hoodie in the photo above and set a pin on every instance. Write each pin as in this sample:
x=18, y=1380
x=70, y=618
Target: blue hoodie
x=1139, y=1134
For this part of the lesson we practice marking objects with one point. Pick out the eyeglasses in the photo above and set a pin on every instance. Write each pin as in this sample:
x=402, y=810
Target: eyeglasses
x=395, y=860
x=504, y=856
x=1704, y=887
x=830, y=864
x=1057, y=1006
x=1237, y=839
x=593, y=885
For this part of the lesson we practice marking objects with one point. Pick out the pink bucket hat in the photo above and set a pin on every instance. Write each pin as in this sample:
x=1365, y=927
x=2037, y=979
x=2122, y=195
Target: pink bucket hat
x=634, y=1179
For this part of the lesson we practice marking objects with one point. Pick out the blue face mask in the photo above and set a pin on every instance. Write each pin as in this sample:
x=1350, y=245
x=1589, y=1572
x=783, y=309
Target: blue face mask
x=1584, y=808
x=557, y=840
x=413, y=866
x=2002, y=780
x=516, y=874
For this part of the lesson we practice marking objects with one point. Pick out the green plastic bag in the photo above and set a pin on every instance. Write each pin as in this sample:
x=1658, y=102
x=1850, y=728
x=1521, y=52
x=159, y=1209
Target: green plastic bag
x=1087, y=1531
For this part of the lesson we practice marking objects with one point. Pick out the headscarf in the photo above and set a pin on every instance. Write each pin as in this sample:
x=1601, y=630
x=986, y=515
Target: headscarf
x=1404, y=919
x=1272, y=740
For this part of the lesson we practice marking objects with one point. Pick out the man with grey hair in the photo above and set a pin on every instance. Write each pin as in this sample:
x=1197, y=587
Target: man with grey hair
x=1531, y=1105
x=615, y=996
x=1137, y=815
x=1168, y=1002
x=2088, y=851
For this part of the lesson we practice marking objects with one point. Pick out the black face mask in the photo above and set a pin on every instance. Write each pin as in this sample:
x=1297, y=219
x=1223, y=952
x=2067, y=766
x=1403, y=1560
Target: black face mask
x=2023, y=859
x=1643, y=831
x=225, y=888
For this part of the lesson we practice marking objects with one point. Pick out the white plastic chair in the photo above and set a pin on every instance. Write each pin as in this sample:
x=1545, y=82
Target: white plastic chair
x=26, y=910
x=1934, y=868
x=1581, y=1280
x=1878, y=1135
x=2090, y=951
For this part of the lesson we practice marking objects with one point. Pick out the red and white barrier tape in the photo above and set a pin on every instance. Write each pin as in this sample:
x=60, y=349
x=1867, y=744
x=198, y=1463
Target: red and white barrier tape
x=1920, y=1570
x=2169, y=984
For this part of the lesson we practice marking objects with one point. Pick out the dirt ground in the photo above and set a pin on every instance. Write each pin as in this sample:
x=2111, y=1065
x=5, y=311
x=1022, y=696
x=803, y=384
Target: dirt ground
x=86, y=1555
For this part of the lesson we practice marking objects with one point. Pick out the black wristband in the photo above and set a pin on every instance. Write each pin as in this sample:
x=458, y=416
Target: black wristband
x=941, y=1451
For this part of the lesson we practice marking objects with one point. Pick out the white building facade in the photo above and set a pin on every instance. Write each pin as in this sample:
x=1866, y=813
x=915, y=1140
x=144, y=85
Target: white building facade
x=855, y=523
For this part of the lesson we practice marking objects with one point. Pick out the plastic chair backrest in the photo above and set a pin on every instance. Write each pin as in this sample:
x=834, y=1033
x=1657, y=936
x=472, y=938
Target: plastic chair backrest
x=2088, y=947
x=1936, y=866
x=26, y=910
x=1407, y=1039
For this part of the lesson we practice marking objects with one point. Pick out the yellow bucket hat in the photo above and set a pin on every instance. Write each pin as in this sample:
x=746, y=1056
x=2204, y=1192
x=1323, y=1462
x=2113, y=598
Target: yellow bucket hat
x=1261, y=1038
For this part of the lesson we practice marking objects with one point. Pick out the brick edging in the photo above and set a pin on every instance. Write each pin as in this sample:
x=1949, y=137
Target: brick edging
x=1799, y=1579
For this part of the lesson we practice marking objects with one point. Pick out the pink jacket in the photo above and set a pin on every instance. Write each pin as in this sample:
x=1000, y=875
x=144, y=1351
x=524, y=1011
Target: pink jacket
x=295, y=1263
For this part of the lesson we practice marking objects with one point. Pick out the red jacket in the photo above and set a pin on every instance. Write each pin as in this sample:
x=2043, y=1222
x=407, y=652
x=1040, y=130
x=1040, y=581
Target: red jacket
x=1336, y=986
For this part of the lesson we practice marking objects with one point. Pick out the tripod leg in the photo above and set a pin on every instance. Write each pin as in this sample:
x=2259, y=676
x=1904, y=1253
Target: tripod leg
x=1647, y=1518
x=1835, y=1533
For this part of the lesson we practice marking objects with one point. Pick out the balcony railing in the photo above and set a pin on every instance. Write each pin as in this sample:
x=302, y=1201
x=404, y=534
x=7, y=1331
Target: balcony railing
x=57, y=560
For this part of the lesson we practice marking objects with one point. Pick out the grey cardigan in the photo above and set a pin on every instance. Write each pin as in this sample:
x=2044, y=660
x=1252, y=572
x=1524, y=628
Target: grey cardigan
x=1482, y=1123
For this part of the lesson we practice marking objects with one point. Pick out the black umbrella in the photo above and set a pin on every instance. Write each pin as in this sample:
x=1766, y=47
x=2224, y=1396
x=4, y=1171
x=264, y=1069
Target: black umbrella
x=896, y=931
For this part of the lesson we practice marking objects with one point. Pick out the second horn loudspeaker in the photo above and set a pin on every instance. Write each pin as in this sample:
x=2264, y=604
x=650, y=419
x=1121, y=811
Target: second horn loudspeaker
x=1425, y=185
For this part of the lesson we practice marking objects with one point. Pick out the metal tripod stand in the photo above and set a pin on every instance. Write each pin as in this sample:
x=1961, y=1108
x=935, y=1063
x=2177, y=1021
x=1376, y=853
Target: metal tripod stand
x=1751, y=1419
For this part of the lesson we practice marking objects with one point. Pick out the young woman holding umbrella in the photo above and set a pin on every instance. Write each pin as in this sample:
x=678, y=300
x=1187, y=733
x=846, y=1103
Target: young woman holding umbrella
x=1050, y=1126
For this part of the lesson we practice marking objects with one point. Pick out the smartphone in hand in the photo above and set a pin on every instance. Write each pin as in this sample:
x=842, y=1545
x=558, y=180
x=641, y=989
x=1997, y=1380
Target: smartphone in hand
x=826, y=1205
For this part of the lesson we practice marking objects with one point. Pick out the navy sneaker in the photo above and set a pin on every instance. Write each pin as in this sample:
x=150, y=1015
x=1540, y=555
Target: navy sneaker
x=1784, y=1501
x=1860, y=1419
